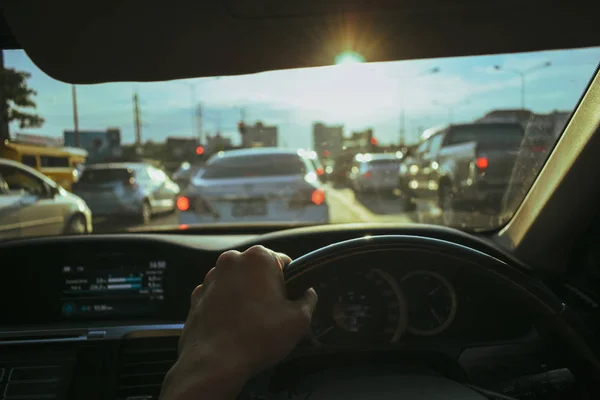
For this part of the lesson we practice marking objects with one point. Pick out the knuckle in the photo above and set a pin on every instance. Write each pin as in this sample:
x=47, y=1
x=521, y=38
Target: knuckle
x=228, y=257
x=257, y=254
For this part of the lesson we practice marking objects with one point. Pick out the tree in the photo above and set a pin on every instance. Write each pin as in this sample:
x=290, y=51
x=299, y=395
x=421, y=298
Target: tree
x=17, y=99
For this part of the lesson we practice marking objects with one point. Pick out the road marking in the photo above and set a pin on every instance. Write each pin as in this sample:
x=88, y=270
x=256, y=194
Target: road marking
x=356, y=209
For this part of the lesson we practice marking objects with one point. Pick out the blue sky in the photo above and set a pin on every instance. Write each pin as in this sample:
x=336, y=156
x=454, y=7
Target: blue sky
x=359, y=96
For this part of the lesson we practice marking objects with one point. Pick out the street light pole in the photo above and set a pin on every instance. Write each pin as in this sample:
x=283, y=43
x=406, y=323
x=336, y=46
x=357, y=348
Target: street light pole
x=450, y=108
x=75, y=116
x=523, y=74
x=431, y=71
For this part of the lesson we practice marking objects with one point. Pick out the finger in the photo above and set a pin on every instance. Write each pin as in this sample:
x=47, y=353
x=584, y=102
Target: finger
x=284, y=260
x=307, y=303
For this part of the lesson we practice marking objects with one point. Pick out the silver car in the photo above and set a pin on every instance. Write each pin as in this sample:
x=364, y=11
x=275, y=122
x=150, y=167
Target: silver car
x=375, y=172
x=32, y=204
x=253, y=185
x=126, y=189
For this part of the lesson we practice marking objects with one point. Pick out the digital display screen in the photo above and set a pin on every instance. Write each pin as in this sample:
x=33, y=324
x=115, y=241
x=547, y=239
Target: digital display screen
x=112, y=288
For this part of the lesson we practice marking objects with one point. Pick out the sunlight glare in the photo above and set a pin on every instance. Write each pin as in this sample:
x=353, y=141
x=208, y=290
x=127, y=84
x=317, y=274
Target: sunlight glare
x=349, y=57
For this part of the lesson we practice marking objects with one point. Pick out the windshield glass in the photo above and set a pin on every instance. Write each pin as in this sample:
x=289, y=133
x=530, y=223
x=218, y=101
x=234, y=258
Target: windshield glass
x=105, y=175
x=254, y=166
x=451, y=141
x=493, y=136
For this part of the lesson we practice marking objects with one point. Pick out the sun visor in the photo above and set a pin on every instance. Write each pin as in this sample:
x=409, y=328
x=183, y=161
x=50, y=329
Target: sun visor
x=133, y=40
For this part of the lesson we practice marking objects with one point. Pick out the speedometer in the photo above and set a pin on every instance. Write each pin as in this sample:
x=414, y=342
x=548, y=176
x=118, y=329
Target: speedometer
x=365, y=306
x=432, y=302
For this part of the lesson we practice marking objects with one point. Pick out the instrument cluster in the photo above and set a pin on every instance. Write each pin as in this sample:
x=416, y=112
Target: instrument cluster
x=375, y=306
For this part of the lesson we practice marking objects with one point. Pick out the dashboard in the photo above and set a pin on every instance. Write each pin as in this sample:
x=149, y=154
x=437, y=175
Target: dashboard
x=112, y=304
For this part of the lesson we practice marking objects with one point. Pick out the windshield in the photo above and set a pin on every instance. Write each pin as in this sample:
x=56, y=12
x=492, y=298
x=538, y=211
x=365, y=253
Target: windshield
x=254, y=166
x=452, y=141
x=105, y=175
x=491, y=136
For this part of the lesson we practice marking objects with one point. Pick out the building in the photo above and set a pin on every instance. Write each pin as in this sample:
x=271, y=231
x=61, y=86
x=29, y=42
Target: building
x=217, y=143
x=183, y=148
x=361, y=141
x=548, y=125
x=259, y=135
x=328, y=140
x=39, y=140
x=99, y=144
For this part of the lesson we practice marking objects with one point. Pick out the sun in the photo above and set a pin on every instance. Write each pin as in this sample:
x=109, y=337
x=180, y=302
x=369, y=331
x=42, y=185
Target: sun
x=349, y=57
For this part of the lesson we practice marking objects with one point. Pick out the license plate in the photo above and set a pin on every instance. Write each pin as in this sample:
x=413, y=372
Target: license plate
x=244, y=208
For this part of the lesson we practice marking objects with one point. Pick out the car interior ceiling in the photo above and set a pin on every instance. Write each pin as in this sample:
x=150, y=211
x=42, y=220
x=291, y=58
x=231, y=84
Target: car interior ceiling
x=552, y=235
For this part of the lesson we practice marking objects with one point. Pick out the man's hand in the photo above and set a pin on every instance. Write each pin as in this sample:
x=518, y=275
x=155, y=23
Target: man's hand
x=240, y=322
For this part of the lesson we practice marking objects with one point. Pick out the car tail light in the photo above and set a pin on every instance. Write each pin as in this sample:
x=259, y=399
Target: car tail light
x=183, y=203
x=318, y=197
x=537, y=149
x=130, y=184
x=481, y=162
x=306, y=197
x=368, y=174
x=320, y=171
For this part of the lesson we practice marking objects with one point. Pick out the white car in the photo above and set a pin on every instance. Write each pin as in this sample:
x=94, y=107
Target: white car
x=375, y=172
x=259, y=184
x=32, y=204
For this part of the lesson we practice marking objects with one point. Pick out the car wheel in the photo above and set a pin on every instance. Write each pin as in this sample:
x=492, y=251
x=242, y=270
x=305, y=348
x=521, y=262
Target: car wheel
x=77, y=225
x=407, y=203
x=145, y=212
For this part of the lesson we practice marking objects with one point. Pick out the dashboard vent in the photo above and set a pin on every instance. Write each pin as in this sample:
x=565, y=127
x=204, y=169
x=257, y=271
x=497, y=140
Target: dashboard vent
x=35, y=374
x=143, y=365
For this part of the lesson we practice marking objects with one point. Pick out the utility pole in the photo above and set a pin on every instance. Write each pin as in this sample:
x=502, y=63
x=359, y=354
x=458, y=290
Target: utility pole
x=75, y=116
x=4, y=131
x=137, y=122
x=199, y=121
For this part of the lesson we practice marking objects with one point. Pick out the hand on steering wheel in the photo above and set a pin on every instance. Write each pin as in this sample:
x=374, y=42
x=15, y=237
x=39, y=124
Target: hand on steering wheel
x=240, y=322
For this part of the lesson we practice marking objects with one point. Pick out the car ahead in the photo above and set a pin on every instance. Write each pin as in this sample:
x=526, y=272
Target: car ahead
x=138, y=190
x=32, y=204
x=185, y=173
x=249, y=185
x=463, y=167
x=375, y=173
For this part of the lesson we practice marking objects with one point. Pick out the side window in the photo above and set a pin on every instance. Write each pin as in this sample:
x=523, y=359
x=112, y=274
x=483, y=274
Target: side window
x=142, y=174
x=18, y=180
x=30, y=161
x=422, y=149
x=54, y=162
x=436, y=143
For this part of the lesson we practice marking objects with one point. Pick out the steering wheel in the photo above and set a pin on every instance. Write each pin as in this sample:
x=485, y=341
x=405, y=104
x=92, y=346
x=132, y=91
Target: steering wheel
x=558, y=320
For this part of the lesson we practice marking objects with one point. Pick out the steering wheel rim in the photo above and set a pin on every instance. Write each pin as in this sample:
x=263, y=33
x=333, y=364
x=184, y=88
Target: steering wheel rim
x=305, y=271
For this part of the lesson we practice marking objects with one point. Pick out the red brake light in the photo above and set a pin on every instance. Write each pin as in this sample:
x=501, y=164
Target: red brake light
x=318, y=197
x=368, y=174
x=183, y=203
x=482, y=162
x=320, y=171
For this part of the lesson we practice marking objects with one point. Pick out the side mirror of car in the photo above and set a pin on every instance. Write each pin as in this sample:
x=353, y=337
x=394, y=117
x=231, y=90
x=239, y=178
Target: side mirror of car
x=51, y=191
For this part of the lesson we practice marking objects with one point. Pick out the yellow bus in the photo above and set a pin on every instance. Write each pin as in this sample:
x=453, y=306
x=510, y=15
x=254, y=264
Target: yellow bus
x=58, y=163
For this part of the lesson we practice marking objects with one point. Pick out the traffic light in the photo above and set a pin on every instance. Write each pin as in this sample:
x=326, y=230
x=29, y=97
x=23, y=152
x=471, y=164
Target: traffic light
x=200, y=150
x=241, y=127
x=374, y=141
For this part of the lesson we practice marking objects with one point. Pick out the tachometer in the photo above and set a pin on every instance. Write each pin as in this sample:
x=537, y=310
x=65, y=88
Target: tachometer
x=363, y=306
x=431, y=302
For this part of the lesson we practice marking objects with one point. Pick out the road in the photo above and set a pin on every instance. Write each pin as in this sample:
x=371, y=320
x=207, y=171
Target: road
x=345, y=207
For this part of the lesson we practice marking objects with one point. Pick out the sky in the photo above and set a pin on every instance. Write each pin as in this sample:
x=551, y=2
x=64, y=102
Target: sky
x=358, y=96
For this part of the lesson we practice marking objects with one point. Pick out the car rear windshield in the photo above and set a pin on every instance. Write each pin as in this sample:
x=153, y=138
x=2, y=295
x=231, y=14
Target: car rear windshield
x=105, y=175
x=255, y=166
x=385, y=162
x=492, y=136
